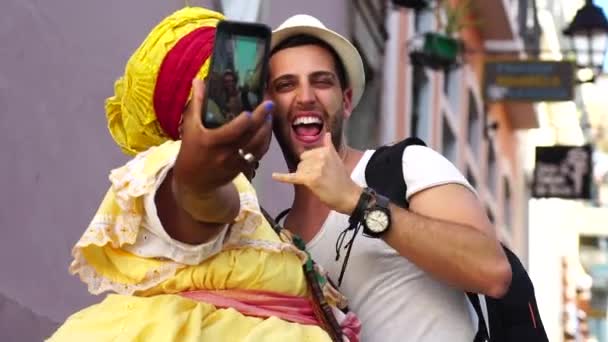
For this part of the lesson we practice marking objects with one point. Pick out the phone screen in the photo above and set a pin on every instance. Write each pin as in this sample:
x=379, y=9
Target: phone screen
x=237, y=77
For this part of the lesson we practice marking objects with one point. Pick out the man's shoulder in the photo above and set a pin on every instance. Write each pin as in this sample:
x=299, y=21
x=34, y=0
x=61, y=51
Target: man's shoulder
x=421, y=167
x=404, y=150
x=400, y=146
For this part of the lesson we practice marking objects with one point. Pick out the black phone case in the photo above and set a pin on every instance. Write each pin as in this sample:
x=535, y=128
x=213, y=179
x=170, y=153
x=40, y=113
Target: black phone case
x=225, y=98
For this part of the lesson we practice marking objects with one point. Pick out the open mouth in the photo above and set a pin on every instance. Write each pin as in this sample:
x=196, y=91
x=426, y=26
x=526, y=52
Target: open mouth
x=307, y=128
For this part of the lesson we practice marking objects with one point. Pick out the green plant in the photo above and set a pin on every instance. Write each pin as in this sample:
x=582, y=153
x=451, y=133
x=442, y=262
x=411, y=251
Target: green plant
x=442, y=49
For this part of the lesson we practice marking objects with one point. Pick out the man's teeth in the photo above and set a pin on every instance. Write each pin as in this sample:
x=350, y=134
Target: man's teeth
x=307, y=120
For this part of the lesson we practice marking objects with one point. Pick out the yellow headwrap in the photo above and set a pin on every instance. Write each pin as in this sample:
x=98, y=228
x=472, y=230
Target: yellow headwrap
x=132, y=118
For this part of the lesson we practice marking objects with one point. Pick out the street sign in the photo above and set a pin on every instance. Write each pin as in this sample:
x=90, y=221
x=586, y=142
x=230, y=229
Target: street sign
x=529, y=81
x=563, y=172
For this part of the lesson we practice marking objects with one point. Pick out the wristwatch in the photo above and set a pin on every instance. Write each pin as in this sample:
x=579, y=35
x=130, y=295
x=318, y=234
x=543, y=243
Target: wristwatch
x=373, y=212
x=377, y=216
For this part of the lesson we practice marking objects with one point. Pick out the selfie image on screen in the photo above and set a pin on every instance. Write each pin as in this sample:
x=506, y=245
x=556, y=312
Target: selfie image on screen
x=234, y=84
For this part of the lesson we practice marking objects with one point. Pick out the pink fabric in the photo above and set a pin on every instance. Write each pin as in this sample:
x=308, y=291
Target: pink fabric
x=259, y=304
x=265, y=304
x=351, y=327
x=174, y=80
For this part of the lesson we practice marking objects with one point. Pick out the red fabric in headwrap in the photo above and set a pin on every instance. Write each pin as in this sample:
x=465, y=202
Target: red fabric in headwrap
x=175, y=76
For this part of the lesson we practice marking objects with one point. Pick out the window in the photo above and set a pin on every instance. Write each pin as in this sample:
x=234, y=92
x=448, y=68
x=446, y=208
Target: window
x=424, y=21
x=507, y=210
x=448, y=141
x=452, y=84
x=446, y=81
x=490, y=215
x=492, y=170
x=474, y=125
x=471, y=178
x=421, y=99
x=526, y=13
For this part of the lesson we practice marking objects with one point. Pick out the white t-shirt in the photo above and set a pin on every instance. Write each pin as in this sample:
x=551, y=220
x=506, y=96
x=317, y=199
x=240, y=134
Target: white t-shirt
x=393, y=298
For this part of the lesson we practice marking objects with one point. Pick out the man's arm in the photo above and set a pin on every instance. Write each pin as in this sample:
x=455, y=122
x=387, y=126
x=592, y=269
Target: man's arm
x=447, y=234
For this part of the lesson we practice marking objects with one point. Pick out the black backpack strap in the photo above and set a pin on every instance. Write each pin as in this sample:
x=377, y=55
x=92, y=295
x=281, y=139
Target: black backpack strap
x=276, y=226
x=282, y=215
x=482, y=330
x=384, y=172
x=517, y=315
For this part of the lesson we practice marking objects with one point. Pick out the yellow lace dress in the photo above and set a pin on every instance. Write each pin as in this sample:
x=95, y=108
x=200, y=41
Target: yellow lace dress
x=146, y=272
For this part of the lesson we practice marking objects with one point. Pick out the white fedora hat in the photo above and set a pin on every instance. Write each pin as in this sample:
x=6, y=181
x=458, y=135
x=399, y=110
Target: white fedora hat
x=309, y=25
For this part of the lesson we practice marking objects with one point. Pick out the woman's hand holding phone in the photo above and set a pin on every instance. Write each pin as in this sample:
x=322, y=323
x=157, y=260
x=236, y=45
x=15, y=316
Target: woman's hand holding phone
x=209, y=158
x=237, y=72
x=197, y=198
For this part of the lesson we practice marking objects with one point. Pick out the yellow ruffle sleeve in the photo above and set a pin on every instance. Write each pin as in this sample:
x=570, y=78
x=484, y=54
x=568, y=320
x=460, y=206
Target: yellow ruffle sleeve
x=103, y=256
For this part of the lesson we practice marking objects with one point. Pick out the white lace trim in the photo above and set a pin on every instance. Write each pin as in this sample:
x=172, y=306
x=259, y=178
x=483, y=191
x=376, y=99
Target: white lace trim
x=248, y=219
x=115, y=231
x=97, y=284
x=129, y=184
x=99, y=233
x=130, y=181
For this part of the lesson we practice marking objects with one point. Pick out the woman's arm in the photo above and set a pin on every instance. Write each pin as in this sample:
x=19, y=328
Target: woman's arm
x=195, y=218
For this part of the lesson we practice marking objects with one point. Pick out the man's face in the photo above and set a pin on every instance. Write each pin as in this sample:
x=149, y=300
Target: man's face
x=229, y=82
x=309, y=100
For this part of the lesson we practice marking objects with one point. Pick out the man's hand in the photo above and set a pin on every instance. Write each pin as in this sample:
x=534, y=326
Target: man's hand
x=322, y=171
x=209, y=158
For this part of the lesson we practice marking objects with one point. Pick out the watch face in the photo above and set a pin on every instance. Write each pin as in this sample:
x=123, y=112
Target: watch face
x=377, y=221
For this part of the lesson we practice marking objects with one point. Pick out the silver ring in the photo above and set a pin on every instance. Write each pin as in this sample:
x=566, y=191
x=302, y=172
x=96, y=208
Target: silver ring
x=249, y=157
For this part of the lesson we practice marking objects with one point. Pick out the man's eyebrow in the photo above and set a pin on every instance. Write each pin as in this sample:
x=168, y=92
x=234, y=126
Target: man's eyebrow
x=283, y=77
x=323, y=73
x=316, y=74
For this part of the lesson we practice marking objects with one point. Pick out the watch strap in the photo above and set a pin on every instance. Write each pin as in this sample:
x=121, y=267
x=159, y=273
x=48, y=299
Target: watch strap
x=382, y=201
x=362, y=204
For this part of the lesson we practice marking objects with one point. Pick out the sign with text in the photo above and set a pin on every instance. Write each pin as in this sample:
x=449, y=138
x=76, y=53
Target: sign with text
x=563, y=172
x=529, y=81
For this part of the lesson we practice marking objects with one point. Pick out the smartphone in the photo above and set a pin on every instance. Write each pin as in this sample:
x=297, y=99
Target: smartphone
x=238, y=71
